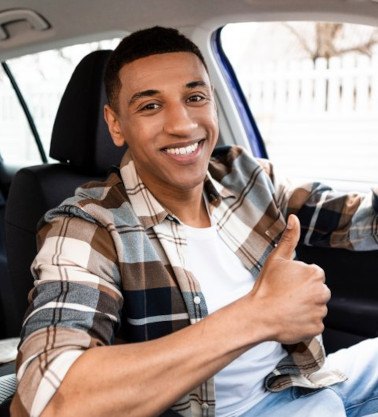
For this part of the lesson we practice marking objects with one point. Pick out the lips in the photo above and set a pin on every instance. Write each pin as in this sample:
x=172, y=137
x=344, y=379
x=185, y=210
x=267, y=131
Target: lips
x=187, y=150
x=183, y=150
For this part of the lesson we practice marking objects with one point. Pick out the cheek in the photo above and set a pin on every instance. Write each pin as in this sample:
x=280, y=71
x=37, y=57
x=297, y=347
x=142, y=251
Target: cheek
x=144, y=132
x=211, y=118
x=215, y=118
x=212, y=127
x=142, y=144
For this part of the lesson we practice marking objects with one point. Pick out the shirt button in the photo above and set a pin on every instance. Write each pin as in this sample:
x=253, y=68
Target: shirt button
x=197, y=300
x=205, y=406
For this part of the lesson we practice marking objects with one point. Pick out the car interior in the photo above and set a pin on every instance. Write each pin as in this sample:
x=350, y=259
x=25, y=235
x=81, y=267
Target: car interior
x=81, y=148
x=82, y=145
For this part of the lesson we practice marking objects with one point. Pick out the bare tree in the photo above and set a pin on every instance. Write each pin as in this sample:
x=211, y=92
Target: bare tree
x=326, y=41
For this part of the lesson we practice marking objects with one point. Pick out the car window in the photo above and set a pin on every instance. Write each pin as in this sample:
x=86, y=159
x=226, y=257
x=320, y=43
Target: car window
x=312, y=88
x=14, y=127
x=42, y=78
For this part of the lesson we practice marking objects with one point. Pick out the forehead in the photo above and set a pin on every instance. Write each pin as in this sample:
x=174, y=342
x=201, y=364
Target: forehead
x=161, y=71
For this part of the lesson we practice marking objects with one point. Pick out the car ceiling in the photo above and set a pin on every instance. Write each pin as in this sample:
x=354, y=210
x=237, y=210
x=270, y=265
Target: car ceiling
x=69, y=21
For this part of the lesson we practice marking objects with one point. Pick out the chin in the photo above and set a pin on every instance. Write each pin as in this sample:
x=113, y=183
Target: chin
x=191, y=182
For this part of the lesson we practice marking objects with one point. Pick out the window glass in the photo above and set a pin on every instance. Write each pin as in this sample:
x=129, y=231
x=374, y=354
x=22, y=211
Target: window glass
x=16, y=140
x=313, y=90
x=42, y=79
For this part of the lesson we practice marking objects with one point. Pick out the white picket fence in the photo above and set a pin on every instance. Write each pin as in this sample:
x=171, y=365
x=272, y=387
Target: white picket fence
x=319, y=120
x=341, y=85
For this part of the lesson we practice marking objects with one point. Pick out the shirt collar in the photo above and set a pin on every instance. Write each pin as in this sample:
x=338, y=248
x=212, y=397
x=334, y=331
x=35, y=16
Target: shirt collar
x=147, y=207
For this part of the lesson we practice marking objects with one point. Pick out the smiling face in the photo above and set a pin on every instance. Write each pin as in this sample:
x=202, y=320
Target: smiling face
x=167, y=116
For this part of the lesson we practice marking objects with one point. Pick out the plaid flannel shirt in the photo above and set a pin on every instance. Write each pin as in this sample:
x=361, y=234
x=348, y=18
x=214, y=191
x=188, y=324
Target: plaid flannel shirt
x=112, y=265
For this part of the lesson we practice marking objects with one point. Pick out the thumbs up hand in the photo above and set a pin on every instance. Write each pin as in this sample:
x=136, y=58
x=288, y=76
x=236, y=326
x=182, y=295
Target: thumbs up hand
x=292, y=293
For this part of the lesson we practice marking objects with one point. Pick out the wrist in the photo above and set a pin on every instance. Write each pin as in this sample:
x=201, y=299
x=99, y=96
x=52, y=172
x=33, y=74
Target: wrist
x=247, y=321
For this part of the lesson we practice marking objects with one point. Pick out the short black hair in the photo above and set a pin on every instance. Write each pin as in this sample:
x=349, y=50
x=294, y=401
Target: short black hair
x=140, y=44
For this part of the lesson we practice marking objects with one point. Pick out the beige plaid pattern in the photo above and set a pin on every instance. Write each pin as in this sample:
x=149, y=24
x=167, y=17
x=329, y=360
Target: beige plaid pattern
x=112, y=248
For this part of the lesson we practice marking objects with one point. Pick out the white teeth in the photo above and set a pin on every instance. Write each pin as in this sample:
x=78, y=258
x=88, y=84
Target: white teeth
x=183, y=151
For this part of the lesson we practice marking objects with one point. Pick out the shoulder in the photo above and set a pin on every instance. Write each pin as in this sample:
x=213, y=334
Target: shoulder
x=109, y=192
x=99, y=202
x=236, y=162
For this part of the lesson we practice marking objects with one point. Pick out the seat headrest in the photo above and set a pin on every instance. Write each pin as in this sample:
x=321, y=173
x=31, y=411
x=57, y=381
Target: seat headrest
x=80, y=135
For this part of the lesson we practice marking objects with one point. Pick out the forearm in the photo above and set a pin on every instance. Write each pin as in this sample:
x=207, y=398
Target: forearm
x=145, y=379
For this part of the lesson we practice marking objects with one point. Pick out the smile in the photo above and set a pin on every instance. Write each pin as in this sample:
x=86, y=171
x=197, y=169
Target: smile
x=187, y=150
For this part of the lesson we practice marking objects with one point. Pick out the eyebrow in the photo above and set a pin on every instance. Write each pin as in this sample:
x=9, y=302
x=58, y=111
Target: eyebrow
x=194, y=84
x=141, y=94
x=152, y=93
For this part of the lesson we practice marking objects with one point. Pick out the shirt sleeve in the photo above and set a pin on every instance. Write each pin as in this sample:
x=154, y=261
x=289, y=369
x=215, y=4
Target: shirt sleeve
x=74, y=306
x=329, y=218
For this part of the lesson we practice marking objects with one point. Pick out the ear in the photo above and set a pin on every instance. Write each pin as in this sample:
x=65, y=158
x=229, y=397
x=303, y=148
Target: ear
x=114, y=127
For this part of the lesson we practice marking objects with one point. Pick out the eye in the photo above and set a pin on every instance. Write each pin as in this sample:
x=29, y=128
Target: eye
x=196, y=98
x=149, y=107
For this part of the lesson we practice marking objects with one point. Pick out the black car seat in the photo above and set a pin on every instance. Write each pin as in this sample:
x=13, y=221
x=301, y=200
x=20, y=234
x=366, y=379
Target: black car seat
x=5, y=179
x=82, y=145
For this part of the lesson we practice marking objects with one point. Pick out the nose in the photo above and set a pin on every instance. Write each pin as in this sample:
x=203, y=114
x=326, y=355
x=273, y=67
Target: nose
x=179, y=121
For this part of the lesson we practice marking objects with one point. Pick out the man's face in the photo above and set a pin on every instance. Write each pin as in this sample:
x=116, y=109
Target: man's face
x=167, y=116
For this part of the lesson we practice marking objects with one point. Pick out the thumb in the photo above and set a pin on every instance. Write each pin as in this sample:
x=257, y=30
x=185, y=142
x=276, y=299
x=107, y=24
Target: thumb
x=289, y=239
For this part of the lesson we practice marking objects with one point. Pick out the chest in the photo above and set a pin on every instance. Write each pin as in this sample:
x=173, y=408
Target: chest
x=161, y=292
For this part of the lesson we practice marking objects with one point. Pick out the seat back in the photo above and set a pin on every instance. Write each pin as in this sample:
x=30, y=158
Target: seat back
x=6, y=174
x=82, y=145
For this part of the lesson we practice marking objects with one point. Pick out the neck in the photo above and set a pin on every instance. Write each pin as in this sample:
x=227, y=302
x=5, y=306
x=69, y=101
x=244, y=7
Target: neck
x=188, y=205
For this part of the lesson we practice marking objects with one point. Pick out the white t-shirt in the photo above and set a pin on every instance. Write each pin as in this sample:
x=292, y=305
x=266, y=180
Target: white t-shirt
x=223, y=279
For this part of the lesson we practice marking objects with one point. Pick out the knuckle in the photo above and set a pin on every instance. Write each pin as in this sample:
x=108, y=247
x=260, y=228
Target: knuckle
x=327, y=292
x=317, y=270
x=321, y=327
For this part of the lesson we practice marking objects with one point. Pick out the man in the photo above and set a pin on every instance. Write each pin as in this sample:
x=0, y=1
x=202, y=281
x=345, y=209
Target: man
x=181, y=256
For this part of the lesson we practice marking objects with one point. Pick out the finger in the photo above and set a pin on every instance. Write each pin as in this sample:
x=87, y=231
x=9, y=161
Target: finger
x=289, y=239
x=328, y=293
